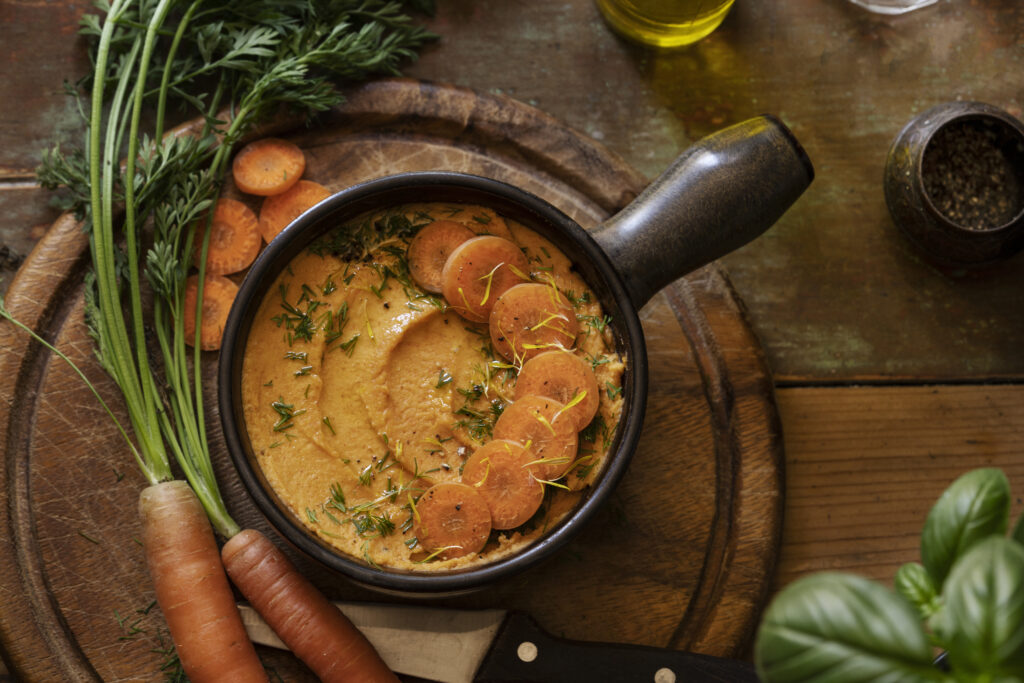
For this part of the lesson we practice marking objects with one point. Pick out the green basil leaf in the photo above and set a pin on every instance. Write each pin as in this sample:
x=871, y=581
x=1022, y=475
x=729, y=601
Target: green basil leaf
x=975, y=506
x=984, y=620
x=913, y=582
x=841, y=628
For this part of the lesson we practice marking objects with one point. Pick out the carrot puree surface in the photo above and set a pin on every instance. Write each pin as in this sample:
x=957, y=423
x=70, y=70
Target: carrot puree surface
x=361, y=390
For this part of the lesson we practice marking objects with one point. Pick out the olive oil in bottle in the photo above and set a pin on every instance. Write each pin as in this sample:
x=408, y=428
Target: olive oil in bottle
x=664, y=23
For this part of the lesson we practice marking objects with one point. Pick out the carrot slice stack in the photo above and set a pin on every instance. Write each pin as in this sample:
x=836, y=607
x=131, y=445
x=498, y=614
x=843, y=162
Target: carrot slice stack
x=502, y=471
x=479, y=271
x=565, y=377
x=532, y=318
x=540, y=424
x=429, y=251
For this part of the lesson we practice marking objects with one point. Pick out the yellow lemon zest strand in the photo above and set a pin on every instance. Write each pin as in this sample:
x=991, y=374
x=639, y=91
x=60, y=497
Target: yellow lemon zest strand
x=544, y=421
x=548, y=461
x=412, y=506
x=437, y=552
x=489, y=277
x=549, y=345
x=576, y=400
x=546, y=322
x=465, y=301
x=518, y=273
x=487, y=472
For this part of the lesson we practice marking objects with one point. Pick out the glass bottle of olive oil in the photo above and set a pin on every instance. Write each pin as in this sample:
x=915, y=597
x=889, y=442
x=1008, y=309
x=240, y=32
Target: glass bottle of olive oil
x=664, y=23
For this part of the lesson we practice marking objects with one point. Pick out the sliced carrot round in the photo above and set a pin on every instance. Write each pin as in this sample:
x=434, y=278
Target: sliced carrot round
x=479, y=271
x=429, y=251
x=531, y=318
x=502, y=471
x=218, y=295
x=541, y=425
x=281, y=209
x=565, y=377
x=452, y=520
x=268, y=166
x=234, y=238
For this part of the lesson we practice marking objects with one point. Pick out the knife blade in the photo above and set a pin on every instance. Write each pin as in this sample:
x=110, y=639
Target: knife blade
x=460, y=646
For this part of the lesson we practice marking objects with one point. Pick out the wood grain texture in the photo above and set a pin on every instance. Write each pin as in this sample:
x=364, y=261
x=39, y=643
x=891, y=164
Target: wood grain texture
x=834, y=292
x=682, y=557
x=864, y=465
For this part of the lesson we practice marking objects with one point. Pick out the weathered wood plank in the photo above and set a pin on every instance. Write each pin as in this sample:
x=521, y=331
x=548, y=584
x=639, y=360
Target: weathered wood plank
x=865, y=464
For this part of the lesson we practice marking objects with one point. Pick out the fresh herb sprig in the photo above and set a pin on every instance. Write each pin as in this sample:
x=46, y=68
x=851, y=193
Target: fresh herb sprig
x=233, y=65
x=966, y=596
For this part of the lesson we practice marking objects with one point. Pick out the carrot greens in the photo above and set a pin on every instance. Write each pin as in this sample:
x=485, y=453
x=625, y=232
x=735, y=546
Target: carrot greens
x=232, y=66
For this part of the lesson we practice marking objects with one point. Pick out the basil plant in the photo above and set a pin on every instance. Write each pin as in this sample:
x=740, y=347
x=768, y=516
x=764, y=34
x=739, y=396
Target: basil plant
x=965, y=598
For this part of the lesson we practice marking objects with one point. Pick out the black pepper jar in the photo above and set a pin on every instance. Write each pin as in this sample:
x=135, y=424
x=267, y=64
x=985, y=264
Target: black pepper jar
x=954, y=183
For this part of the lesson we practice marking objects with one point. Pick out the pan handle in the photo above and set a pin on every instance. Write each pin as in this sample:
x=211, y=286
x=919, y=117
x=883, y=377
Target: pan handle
x=719, y=194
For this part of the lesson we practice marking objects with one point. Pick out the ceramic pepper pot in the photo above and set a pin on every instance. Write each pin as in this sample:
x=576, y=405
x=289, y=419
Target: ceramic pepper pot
x=954, y=184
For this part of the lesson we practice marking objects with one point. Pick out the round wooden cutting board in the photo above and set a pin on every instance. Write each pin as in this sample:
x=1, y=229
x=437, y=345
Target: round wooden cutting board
x=682, y=557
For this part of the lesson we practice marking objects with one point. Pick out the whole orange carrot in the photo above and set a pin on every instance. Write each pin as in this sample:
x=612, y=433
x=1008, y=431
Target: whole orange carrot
x=313, y=628
x=192, y=589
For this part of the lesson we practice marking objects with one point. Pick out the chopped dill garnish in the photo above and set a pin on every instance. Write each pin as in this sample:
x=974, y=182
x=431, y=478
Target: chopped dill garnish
x=286, y=413
x=366, y=555
x=597, y=428
x=337, y=499
x=327, y=423
x=298, y=324
x=612, y=390
x=372, y=525
x=577, y=301
x=443, y=378
x=349, y=347
x=596, y=323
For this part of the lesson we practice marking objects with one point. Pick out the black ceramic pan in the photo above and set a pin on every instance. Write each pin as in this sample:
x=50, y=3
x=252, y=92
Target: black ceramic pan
x=721, y=193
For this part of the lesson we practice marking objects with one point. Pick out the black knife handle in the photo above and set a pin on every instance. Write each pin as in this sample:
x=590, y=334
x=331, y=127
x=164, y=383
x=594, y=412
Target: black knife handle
x=523, y=652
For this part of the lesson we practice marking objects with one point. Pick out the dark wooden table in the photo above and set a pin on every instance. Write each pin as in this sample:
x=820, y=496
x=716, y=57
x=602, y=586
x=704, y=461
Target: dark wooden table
x=892, y=377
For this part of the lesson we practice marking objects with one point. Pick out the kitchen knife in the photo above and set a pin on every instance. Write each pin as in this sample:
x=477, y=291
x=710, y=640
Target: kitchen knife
x=460, y=646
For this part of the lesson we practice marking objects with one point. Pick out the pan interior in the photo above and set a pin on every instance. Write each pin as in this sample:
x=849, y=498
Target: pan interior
x=588, y=259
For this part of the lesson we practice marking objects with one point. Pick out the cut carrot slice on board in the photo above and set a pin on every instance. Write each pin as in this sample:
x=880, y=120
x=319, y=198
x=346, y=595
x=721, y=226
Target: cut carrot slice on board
x=234, y=238
x=451, y=520
x=429, y=251
x=565, y=377
x=532, y=318
x=540, y=424
x=479, y=271
x=281, y=209
x=268, y=166
x=218, y=295
x=503, y=474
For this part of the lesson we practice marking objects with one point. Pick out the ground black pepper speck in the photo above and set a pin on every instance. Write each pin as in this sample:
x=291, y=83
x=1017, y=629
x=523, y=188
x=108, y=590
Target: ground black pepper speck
x=970, y=177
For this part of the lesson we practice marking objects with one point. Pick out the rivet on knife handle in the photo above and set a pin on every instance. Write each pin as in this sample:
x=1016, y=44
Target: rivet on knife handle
x=522, y=651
